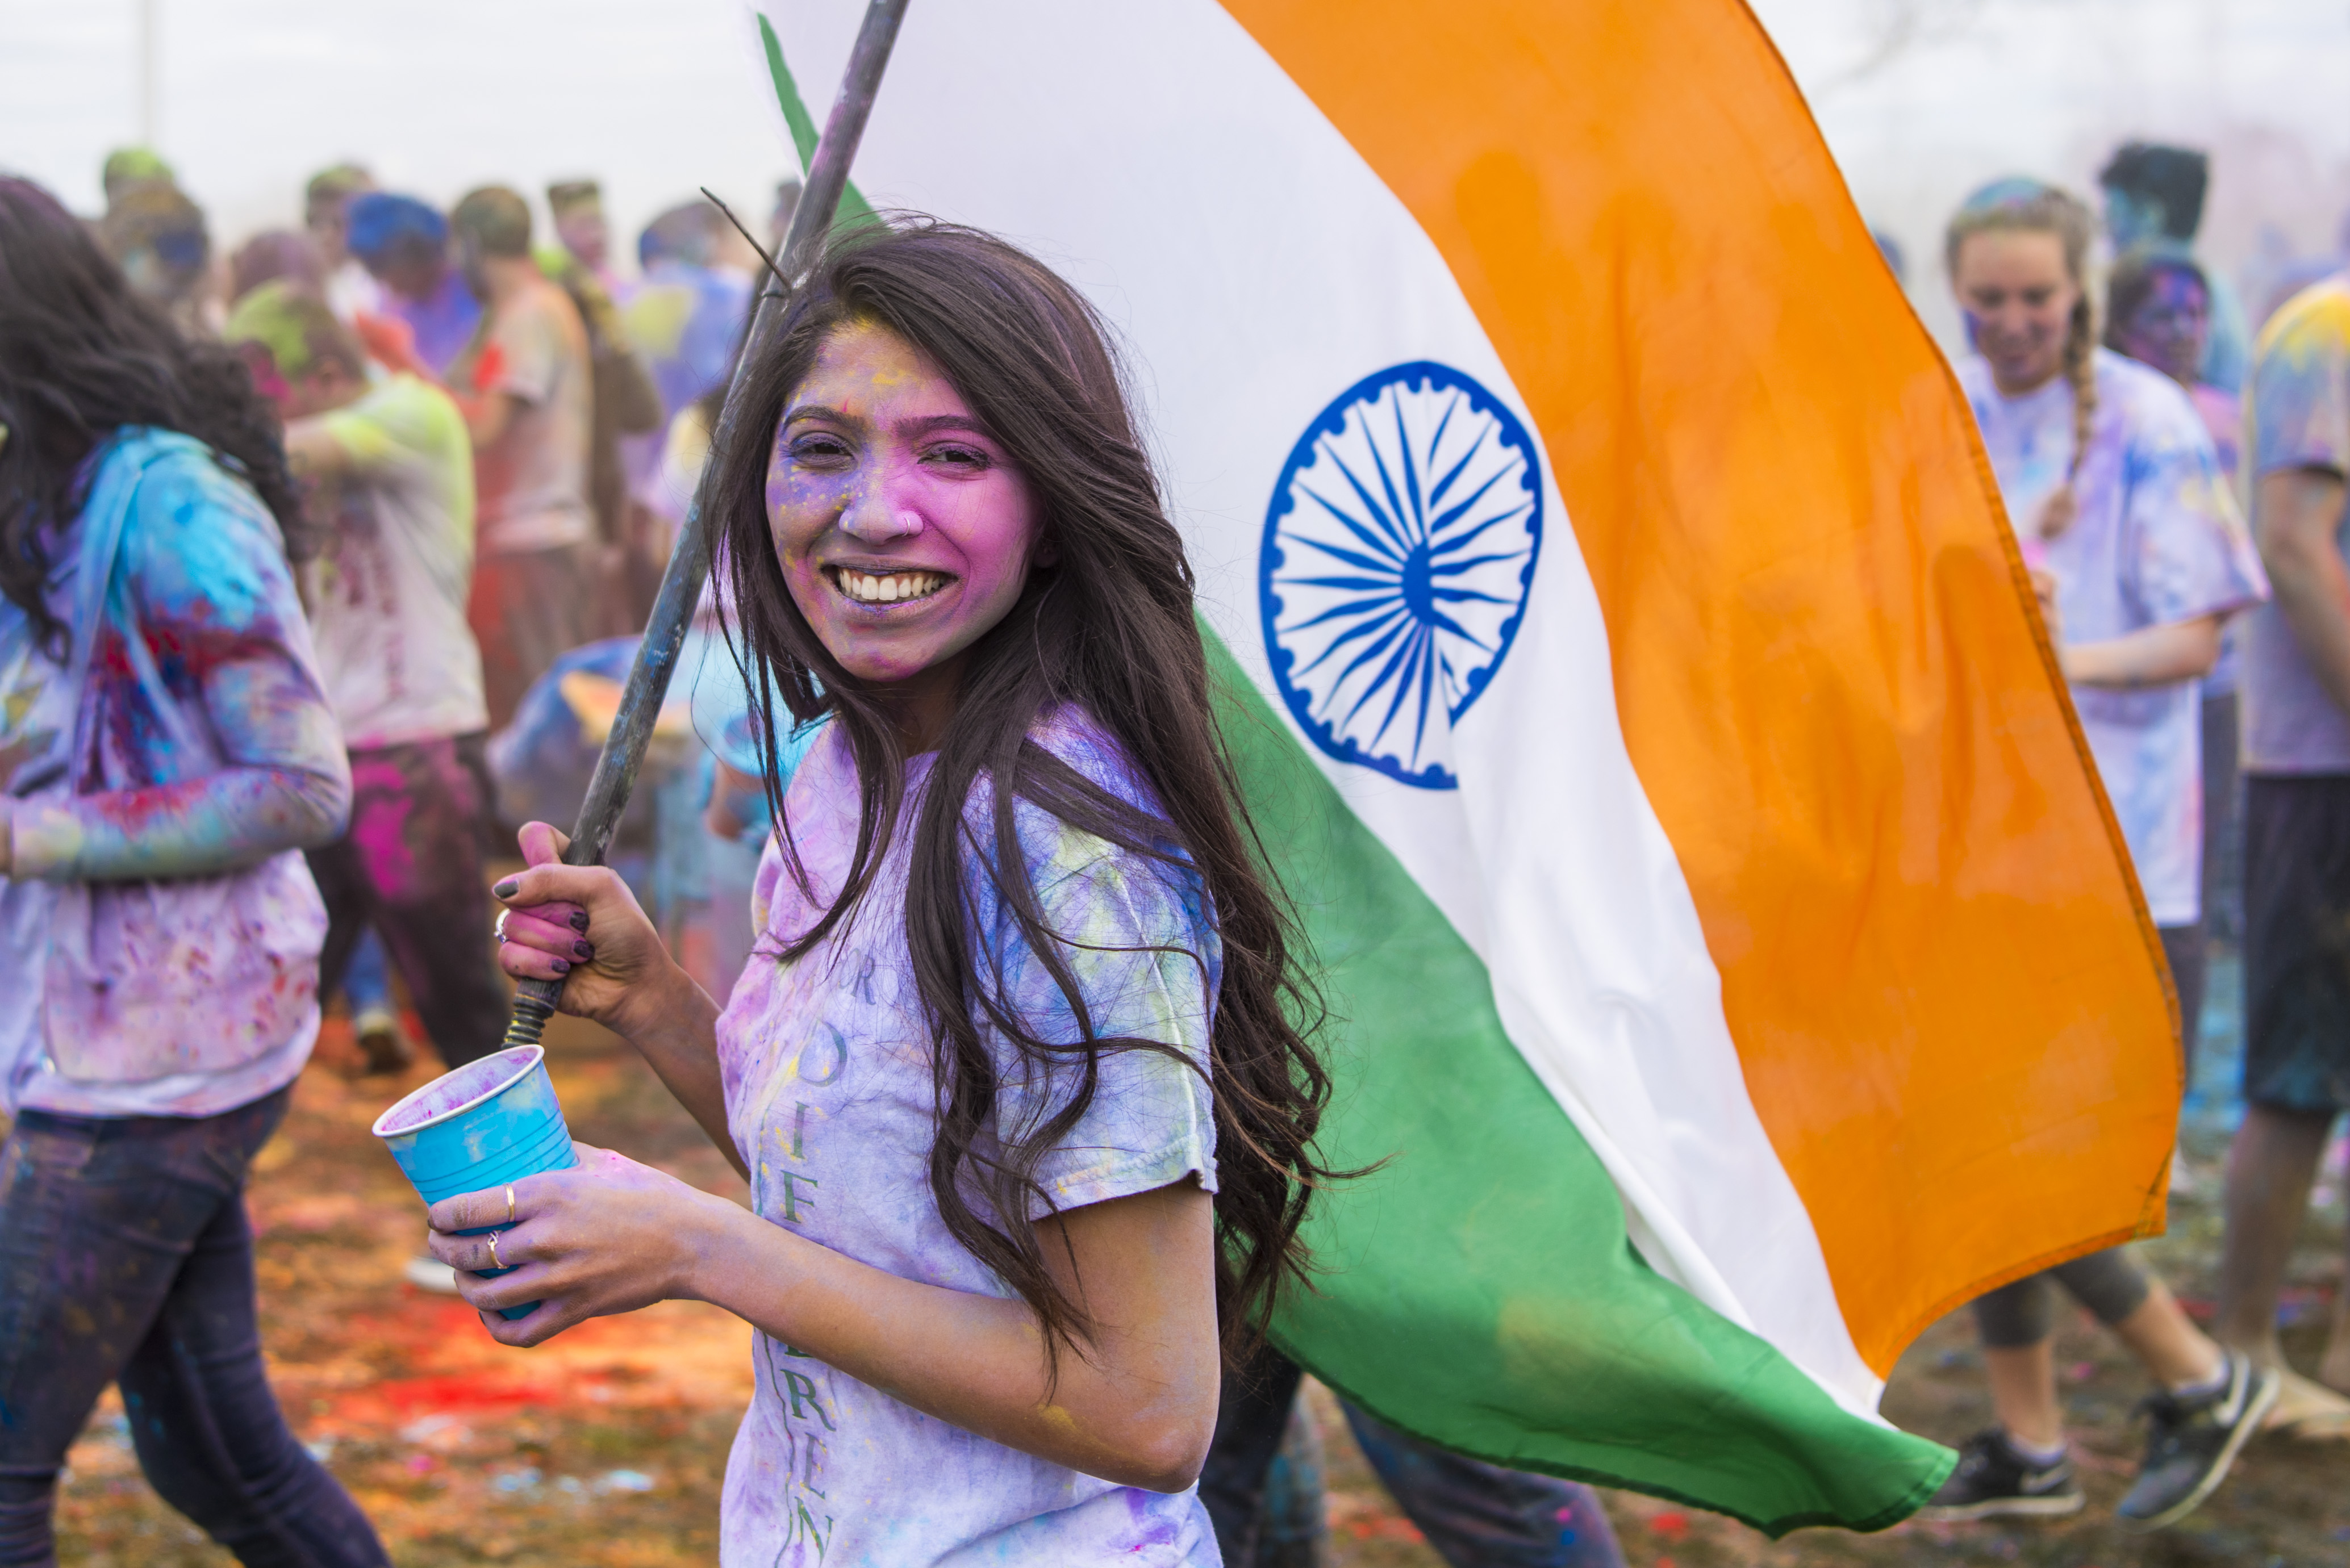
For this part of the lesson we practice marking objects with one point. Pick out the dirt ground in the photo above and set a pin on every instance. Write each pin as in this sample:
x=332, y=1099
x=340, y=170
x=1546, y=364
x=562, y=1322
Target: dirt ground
x=608, y=1446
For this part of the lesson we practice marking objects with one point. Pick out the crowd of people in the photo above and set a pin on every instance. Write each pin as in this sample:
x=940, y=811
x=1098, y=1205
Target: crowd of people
x=301, y=541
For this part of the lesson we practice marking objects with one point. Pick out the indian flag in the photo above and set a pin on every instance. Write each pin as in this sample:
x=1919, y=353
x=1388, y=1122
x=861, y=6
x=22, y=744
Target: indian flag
x=1733, y=954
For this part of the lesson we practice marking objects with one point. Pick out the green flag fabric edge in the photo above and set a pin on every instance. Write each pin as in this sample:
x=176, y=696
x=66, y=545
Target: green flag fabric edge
x=1479, y=1290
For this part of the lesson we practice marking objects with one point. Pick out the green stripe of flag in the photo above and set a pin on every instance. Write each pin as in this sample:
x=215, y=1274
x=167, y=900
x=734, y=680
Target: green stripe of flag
x=1482, y=1290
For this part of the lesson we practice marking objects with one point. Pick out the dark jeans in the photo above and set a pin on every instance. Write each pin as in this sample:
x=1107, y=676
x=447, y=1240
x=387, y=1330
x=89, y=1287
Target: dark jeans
x=410, y=867
x=2188, y=951
x=125, y=1257
x=1476, y=1515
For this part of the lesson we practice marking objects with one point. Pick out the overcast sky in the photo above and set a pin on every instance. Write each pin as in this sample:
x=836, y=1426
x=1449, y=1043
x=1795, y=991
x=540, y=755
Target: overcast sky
x=1921, y=99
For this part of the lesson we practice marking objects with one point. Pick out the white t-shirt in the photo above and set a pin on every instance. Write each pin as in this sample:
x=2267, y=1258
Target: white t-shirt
x=400, y=663
x=531, y=484
x=830, y=1096
x=2156, y=540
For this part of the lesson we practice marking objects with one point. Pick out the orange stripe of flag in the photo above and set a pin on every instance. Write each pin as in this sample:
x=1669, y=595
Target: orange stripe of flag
x=1935, y=962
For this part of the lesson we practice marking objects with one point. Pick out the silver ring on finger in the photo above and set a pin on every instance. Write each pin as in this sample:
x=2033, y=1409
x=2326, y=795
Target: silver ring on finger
x=501, y=923
x=501, y=1263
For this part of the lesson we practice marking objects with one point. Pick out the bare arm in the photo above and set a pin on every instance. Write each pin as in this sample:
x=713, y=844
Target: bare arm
x=2150, y=656
x=1136, y=1403
x=2296, y=516
x=315, y=454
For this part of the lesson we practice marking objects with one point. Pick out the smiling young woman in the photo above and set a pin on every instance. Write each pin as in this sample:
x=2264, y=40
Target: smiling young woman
x=1014, y=1071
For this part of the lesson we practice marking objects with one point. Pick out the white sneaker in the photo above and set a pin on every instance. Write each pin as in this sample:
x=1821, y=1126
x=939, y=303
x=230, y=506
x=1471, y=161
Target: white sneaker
x=429, y=1274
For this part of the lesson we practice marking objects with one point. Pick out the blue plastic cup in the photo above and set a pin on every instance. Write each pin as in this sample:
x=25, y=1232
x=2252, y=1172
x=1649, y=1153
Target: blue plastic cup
x=485, y=1124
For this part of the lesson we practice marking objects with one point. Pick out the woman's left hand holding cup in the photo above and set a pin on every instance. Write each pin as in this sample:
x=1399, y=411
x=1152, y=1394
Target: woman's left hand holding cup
x=608, y=1237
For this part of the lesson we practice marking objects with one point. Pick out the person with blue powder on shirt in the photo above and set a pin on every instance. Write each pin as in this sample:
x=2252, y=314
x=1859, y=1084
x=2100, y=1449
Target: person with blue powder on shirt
x=167, y=752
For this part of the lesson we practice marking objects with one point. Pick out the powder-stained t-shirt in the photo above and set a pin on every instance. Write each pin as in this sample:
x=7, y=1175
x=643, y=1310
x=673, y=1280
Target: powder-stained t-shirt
x=2297, y=414
x=827, y=1064
x=2156, y=539
x=530, y=485
x=201, y=581
x=399, y=659
x=2223, y=418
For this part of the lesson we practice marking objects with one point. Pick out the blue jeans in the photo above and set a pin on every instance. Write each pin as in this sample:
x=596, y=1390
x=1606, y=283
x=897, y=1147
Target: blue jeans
x=1476, y=1515
x=125, y=1257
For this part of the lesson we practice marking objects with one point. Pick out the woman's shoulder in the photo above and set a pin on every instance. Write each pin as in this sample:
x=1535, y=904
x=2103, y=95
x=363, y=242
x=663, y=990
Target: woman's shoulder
x=193, y=526
x=1067, y=732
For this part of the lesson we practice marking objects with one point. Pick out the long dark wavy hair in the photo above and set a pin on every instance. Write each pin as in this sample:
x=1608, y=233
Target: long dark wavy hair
x=81, y=356
x=1108, y=628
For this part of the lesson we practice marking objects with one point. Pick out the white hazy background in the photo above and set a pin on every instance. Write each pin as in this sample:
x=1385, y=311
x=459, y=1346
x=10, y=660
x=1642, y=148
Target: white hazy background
x=1920, y=99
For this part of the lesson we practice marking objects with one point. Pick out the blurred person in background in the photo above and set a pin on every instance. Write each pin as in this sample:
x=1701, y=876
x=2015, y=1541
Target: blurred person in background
x=157, y=237
x=404, y=244
x=350, y=289
x=126, y=168
x=2158, y=313
x=581, y=228
x=626, y=403
x=166, y=751
x=2153, y=202
x=2296, y=837
x=686, y=317
x=524, y=386
x=274, y=256
x=2139, y=555
x=388, y=476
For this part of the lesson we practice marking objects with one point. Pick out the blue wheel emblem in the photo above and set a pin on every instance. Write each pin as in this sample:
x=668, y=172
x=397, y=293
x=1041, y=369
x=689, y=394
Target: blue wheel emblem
x=1398, y=550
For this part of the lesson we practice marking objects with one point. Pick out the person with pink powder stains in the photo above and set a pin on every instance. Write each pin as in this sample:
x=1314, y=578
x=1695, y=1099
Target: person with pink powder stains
x=167, y=752
x=1012, y=1071
x=388, y=475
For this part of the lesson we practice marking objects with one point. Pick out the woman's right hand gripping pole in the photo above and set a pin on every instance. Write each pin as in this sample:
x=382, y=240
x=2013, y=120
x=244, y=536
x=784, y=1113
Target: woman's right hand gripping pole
x=580, y=927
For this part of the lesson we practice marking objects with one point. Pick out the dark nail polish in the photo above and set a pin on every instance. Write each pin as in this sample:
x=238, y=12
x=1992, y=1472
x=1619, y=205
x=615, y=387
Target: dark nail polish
x=562, y=967
x=583, y=950
x=506, y=890
x=579, y=919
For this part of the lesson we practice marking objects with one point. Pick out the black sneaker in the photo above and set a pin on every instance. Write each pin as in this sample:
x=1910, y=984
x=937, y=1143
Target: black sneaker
x=1994, y=1481
x=2194, y=1440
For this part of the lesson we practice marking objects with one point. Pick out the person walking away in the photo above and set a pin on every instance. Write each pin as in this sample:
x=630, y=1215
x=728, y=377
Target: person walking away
x=390, y=475
x=2158, y=313
x=626, y=403
x=2296, y=837
x=404, y=244
x=2108, y=476
x=166, y=754
x=523, y=384
x=350, y=289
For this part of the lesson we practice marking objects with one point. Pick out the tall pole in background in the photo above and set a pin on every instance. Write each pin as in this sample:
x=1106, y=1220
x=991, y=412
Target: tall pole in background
x=148, y=128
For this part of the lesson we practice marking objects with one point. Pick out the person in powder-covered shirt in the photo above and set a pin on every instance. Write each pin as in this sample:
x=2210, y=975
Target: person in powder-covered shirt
x=2296, y=835
x=2158, y=313
x=1010, y=1071
x=524, y=384
x=2138, y=555
x=391, y=480
x=166, y=754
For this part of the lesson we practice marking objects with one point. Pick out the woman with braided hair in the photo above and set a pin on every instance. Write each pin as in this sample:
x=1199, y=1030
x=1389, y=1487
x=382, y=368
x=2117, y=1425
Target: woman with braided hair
x=2138, y=555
